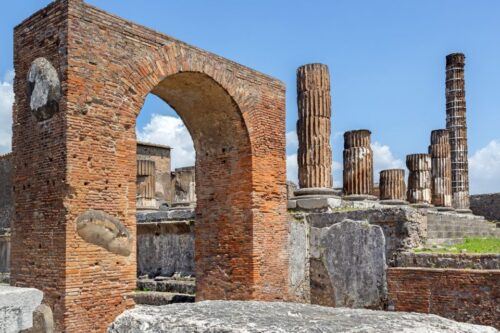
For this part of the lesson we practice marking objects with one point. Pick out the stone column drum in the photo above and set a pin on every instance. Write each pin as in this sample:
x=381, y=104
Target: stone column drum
x=313, y=129
x=440, y=169
x=392, y=186
x=358, y=165
x=457, y=126
x=146, y=184
x=419, y=179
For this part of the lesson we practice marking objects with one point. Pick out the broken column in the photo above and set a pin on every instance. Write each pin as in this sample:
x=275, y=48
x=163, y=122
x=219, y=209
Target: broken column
x=457, y=126
x=440, y=169
x=392, y=186
x=313, y=130
x=358, y=165
x=419, y=179
x=146, y=183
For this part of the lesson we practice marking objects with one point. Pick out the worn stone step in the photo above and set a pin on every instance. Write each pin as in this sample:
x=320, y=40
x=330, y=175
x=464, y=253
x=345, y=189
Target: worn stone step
x=181, y=286
x=161, y=298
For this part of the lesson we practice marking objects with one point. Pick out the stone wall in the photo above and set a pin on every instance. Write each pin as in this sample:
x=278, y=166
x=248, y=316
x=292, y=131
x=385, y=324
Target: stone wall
x=6, y=198
x=165, y=243
x=311, y=256
x=459, y=294
x=183, y=186
x=487, y=205
x=447, y=260
x=161, y=156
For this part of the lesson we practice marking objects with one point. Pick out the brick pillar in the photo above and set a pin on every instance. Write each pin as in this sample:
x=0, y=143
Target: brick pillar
x=392, y=186
x=457, y=126
x=419, y=179
x=441, y=168
x=313, y=127
x=358, y=165
x=146, y=184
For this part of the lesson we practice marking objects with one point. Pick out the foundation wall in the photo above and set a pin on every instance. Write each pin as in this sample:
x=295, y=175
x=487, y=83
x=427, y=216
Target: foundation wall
x=458, y=294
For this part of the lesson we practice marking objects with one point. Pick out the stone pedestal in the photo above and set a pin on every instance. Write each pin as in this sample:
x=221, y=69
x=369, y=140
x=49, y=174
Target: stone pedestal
x=358, y=165
x=456, y=124
x=419, y=180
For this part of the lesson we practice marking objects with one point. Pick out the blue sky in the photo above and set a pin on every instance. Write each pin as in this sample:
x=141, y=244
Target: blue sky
x=386, y=60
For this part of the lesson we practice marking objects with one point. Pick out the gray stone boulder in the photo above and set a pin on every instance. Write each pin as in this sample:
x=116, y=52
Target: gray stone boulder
x=253, y=317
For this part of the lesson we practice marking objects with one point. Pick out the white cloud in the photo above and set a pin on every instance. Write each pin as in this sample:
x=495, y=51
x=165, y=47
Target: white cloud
x=292, y=168
x=384, y=159
x=6, y=102
x=170, y=131
x=292, y=141
x=484, y=166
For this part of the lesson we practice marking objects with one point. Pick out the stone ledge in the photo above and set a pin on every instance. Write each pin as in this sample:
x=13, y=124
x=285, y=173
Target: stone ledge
x=253, y=317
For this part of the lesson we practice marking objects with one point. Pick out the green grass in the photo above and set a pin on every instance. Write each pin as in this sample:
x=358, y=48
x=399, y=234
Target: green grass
x=469, y=245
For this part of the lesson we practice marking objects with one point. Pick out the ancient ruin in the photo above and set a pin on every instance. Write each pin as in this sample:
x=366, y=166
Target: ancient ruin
x=82, y=157
x=440, y=152
x=392, y=186
x=419, y=179
x=358, y=164
x=456, y=123
x=313, y=129
x=99, y=222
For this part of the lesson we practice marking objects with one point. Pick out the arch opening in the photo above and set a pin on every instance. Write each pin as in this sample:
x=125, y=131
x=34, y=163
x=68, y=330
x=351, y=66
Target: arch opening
x=223, y=232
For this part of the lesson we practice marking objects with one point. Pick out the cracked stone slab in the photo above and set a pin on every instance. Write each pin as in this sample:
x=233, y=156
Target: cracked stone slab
x=16, y=308
x=253, y=317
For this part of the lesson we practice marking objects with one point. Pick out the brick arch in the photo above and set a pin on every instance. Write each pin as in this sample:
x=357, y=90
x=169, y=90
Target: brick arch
x=79, y=165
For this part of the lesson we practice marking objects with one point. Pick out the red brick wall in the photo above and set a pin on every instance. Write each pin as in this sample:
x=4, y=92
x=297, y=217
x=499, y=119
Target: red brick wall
x=107, y=66
x=459, y=294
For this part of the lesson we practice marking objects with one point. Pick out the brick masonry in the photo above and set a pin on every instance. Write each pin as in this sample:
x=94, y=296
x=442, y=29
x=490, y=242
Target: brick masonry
x=459, y=294
x=487, y=205
x=84, y=157
x=6, y=203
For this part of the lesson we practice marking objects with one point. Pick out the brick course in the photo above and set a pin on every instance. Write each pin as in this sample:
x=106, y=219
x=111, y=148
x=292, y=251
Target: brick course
x=84, y=157
x=459, y=294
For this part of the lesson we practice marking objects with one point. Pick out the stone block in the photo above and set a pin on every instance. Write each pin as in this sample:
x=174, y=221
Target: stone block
x=16, y=308
x=353, y=255
x=257, y=317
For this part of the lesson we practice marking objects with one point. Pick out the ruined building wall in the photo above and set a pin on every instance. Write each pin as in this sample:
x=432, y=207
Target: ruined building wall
x=6, y=200
x=183, y=186
x=161, y=155
x=75, y=154
x=313, y=126
x=487, y=205
x=456, y=124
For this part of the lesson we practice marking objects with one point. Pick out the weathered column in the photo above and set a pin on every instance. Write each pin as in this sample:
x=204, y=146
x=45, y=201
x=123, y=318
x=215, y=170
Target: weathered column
x=358, y=165
x=392, y=186
x=419, y=179
x=146, y=184
x=457, y=126
x=313, y=128
x=440, y=169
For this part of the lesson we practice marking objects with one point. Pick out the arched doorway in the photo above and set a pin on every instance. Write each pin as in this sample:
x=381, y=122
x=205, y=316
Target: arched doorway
x=76, y=171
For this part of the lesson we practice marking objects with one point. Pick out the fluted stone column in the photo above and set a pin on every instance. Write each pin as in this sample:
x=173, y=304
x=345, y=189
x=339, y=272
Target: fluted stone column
x=441, y=169
x=457, y=126
x=146, y=184
x=419, y=179
x=358, y=165
x=313, y=129
x=392, y=186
